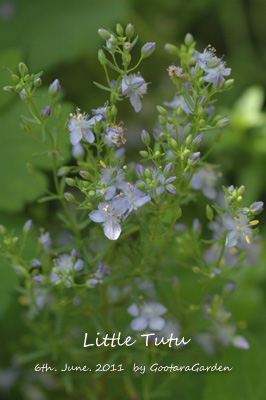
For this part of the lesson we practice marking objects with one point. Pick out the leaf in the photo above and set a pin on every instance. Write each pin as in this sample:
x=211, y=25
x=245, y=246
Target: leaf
x=102, y=87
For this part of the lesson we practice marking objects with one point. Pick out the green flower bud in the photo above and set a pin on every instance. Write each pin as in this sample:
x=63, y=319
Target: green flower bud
x=69, y=197
x=37, y=82
x=140, y=185
x=119, y=30
x=9, y=89
x=104, y=34
x=173, y=143
x=27, y=78
x=63, y=171
x=189, y=140
x=157, y=154
x=84, y=174
x=171, y=49
x=144, y=153
x=23, y=69
x=91, y=193
x=3, y=230
x=209, y=213
x=129, y=31
x=70, y=182
x=162, y=120
x=188, y=39
x=15, y=78
x=57, y=271
x=101, y=57
x=161, y=110
x=228, y=84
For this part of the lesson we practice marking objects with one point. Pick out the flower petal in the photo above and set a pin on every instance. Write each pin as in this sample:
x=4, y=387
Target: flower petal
x=98, y=216
x=75, y=137
x=88, y=136
x=112, y=229
x=133, y=310
x=138, y=324
x=156, y=323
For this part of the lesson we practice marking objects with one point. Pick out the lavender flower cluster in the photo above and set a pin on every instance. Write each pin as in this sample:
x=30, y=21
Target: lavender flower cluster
x=144, y=198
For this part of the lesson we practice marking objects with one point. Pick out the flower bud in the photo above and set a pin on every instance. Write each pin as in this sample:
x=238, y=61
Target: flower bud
x=145, y=137
x=147, y=49
x=256, y=207
x=140, y=169
x=70, y=182
x=54, y=88
x=27, y=227
x=171, y=49
x=170, y=188
x=101, y=57
x=222, y=122
x=69, y=197
x=209, y=213
x=229, y=288
x=84, y=174
x=143, y=153
x=228, y=84
x=198, y=139
x=104, y=34
x=63, y=171
x=57, y=271
x=161, y=110
x=168, y=169
x=9, y=89
x=188, y=39
x=27, y=78
x=119, y=30
x=189, y=140
x=37, y=82
x=162, y=120
x=140, y=185
x=92, y=282
x=15, y=78
x=46, y=112
x=194, y=158
x=241, y=190
x=173, y=143
x=129, y=31
x=23, y=69
x=3, y=230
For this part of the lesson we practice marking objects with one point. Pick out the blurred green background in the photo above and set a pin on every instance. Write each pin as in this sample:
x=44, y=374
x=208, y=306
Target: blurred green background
x=60, y=37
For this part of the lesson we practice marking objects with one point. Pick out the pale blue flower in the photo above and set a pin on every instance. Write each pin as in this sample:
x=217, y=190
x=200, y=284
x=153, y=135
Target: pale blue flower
x=111, y=215
x=131, y=196
x=79, y=128
x=102, y=270
x=98, y=115
x=148, y=315
x=216, y=74
x=45, y=240
x=205, y=180
x=135, y=87
x=205, y=57
x=178, y=101
x=239, y=229
x=66, y=265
